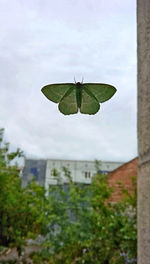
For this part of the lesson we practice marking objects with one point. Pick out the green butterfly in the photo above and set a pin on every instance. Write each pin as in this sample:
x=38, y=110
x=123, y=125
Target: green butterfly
x=78, y=96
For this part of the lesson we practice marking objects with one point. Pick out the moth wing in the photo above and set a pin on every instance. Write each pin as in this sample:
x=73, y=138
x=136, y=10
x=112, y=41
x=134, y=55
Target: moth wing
x=89, y=104
x=101, y=91
x=68, y=104
x=55, y=92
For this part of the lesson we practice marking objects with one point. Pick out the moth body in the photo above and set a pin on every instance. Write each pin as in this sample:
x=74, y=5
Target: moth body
x=79, y=94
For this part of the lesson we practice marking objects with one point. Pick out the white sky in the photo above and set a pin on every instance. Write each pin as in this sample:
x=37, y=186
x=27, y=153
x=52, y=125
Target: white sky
x=43, y=42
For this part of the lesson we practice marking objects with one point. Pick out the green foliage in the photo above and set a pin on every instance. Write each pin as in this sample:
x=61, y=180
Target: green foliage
x=97, y=166
x=85, y=228
x=77, y=221
x=22, y=211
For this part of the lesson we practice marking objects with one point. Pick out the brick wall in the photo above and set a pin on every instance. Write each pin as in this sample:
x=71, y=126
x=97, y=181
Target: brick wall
x=124, y=176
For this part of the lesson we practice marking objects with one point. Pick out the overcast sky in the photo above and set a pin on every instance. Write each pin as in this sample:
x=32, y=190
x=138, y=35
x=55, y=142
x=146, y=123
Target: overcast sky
x=43, y=42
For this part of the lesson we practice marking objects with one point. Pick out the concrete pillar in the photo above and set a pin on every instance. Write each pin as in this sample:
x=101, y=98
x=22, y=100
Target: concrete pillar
x=143, y=37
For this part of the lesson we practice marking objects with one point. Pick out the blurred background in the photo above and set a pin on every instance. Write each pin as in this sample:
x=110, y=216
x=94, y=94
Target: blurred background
x=43, y=42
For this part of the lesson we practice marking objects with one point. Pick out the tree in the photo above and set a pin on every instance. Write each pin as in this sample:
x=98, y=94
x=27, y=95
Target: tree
x=143, y=29
x=77, y=222
x=22, y=210
x=85, y=228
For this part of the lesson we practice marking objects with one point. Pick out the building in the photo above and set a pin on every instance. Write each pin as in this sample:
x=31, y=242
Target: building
x=122, y=176
x=42, y=170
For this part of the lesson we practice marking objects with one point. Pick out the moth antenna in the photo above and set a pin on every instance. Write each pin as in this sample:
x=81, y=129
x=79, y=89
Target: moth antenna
x=82, y=79
x=74, y=80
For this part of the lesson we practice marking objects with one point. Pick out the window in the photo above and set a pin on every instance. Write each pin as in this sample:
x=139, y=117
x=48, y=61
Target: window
x=87, y=174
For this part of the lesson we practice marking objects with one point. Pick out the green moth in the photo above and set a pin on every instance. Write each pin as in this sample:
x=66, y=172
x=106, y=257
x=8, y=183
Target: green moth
x=73, y=97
